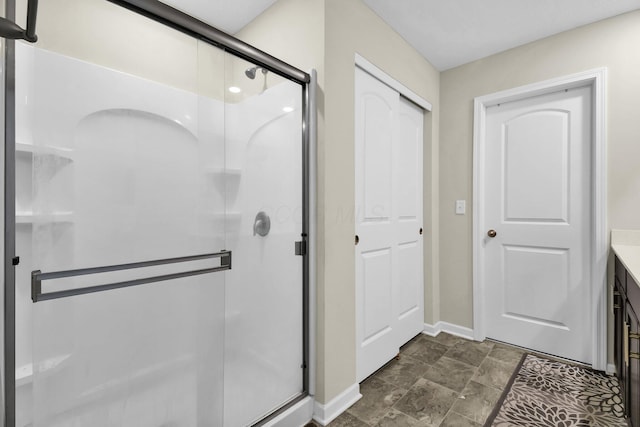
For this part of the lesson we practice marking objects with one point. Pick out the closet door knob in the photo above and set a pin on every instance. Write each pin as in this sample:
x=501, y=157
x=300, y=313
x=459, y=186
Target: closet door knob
x=492, y=233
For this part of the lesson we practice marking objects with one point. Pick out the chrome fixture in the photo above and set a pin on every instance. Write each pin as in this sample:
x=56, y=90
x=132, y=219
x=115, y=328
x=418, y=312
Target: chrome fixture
x=262, y=224
x=251, y=72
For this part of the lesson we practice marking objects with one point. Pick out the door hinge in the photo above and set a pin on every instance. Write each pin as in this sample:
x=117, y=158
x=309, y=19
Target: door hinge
x=301, y=248
x=15, y=260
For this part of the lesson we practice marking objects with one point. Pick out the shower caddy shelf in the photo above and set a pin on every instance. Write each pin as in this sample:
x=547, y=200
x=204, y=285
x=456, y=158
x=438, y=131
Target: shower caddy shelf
x=61, y=217
x=62, y=153
x=24, y=374
x=65, y=155
x=229, y=172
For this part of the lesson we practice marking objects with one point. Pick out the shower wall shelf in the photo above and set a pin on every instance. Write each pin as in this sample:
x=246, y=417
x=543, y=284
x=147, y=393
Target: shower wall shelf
x=24, y=374
x=62, y=153
x=229, y=172
x=54, y=160
x=50, y=218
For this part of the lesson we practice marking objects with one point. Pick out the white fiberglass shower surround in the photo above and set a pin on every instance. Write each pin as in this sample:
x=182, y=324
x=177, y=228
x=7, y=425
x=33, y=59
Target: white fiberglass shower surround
x=157, y=200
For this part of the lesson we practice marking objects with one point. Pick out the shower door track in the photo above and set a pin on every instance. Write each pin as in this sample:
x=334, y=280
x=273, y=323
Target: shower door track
x=189, y=25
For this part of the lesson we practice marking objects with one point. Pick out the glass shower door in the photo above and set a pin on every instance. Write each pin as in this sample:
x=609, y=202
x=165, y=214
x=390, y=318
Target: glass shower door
x=120, y=222
x=146, y=161
x=264, y=361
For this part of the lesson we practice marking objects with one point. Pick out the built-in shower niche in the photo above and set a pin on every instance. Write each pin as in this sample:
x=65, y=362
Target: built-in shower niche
x=44, y=175
x=221, y=177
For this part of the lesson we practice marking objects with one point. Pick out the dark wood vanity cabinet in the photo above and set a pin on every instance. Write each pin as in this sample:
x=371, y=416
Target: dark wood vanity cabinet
x=626, y=305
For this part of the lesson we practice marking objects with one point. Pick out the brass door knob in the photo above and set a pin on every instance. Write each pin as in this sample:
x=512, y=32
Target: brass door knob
x=492, y=233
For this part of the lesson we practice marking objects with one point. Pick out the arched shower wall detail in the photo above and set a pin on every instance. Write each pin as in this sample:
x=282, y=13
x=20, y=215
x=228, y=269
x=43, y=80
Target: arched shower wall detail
x=116, y=169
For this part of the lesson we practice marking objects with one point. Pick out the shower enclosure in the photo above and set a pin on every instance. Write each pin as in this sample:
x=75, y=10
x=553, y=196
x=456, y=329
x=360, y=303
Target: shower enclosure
x=160, y=216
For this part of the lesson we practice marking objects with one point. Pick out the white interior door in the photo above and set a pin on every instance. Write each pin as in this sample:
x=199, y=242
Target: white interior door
x=388, y=165
x=537, y=200
x=409, y=284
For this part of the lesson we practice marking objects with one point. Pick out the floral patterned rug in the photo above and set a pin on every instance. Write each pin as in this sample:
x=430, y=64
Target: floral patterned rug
x=544, y=393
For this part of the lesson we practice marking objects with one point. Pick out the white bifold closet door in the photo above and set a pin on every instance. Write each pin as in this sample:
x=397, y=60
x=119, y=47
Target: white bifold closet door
x=388, y=242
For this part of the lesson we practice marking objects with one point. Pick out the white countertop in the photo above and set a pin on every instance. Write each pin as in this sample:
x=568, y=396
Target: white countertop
x=626, y=245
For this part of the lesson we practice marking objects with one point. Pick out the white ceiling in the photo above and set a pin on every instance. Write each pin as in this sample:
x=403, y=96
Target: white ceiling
x=453, y=32
x=446, y=32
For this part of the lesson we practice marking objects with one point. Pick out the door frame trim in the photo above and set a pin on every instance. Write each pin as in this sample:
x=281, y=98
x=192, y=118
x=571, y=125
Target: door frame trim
x=596, y=80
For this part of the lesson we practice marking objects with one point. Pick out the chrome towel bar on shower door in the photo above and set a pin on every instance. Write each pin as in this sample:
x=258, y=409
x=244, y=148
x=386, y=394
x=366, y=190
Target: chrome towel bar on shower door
x=37, y=276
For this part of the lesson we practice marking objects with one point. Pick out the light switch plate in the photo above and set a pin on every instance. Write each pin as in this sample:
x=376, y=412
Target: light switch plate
x=461, y=207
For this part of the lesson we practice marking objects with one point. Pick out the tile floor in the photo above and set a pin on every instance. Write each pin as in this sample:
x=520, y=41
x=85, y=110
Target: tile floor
x=441, y=381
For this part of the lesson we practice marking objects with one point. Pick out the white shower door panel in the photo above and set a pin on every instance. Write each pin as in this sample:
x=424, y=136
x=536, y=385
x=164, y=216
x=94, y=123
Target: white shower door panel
x=538, y=201
x=264, y=363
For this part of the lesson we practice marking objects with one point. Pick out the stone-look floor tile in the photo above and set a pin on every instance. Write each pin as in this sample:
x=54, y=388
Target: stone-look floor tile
x=456, y=420
x=445, y=339
x=377, y=397
x=403, y=372
x=494, y=373
x=395, y=418
x=470, y=352
x=424, y=350
x=427, y=402
x=347, y=420
x=450, y=373
x=476, y=401
x=507, y=354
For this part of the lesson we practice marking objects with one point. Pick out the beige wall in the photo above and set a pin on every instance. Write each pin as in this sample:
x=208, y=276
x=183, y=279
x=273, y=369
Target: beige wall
x=352, y=28
x=290, y=30
x=84, y=29
x=612, y=43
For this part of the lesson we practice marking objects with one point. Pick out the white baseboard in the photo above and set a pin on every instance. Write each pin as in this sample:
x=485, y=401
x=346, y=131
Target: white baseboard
x=450, y=328
x=326, y=413
x=296, y=416
x=611, y=369
x=431, y=330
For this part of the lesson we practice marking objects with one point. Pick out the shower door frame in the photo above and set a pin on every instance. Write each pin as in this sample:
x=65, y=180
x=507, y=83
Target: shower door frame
x=189, y=25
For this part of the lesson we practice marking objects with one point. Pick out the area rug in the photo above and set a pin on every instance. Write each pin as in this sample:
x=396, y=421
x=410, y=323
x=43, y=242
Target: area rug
x=545, y=393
